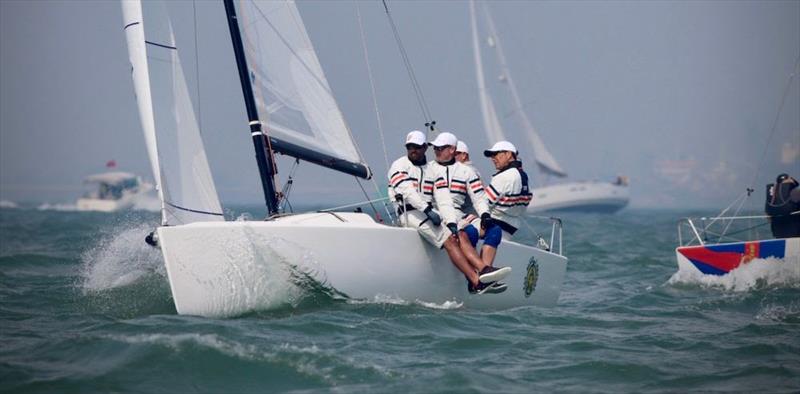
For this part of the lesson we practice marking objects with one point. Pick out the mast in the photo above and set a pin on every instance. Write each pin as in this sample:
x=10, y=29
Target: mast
x=263, y=154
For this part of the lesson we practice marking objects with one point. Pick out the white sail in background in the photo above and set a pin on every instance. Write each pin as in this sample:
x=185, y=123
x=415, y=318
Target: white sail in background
x=292, y=94
x=544, y=159
x=491, y=124
x=174, y=144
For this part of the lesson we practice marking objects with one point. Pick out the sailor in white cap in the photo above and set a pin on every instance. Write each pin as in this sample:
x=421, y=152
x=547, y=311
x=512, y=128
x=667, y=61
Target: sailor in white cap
x=466, y=190
x=424, y=202
x=508, y=195
x=462, y=156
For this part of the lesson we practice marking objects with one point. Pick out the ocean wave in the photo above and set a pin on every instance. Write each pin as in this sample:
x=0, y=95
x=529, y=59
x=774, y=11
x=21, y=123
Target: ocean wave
x=6, y=204
x=756, y=274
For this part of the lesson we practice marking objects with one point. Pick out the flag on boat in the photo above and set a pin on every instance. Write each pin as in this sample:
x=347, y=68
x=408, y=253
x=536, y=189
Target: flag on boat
x=723, y=258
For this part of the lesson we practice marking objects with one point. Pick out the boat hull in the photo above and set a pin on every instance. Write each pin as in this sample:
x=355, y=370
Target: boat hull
x=597, y=197
x=229, y=268
x=95, y=204
x=720, y=259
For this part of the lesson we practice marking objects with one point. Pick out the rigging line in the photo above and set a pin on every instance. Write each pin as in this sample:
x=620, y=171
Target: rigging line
x=197, y=70
x=372, y=86
x=414, y=82
x=377, y=215
x=777, y=117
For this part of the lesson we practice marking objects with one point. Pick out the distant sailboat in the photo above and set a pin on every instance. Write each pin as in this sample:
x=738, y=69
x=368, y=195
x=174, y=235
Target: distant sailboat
x=221, y=268
x=573, y=196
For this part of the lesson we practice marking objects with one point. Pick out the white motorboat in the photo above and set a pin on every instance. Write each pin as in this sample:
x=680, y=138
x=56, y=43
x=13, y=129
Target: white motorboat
x=567, y=196
x=219, y=268
x=113, y=191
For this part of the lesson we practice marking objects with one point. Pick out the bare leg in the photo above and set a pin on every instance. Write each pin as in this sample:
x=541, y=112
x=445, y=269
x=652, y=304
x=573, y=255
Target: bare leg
x=469, y=252
x=459, y=260
x=487, y=254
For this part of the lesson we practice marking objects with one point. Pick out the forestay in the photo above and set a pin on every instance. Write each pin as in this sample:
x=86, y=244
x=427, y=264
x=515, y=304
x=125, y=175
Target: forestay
x=172, y=136
x=292, y=94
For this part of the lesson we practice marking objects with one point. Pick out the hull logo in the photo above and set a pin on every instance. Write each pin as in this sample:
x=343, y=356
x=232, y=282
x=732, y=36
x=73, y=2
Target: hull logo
x=531, y=277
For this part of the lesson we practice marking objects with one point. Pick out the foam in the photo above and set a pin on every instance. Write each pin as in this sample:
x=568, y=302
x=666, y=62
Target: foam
x=57, y=207
x=758, y=273
x=120, y=259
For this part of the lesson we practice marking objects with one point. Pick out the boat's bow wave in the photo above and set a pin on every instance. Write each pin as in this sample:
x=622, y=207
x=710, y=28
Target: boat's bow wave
x=756, y=274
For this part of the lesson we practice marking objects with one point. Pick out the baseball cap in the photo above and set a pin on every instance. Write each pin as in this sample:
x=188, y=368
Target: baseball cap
x=462, y=147
x=444, y=139
x=500, y=147
x=415, y=137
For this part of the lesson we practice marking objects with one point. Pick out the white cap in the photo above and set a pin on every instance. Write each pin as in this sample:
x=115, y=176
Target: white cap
x=462, y=147
x=500, y=147
x=444, y=139
x=415, y=137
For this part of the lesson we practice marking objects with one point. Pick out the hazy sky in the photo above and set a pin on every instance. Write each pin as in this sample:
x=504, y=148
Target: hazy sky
x=679, y=95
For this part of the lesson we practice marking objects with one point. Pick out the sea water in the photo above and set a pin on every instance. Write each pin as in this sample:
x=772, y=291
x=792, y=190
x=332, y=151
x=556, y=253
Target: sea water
x=85, y=306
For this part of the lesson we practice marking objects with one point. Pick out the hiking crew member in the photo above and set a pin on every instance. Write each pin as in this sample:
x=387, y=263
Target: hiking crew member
x=424, y=203
x=508, y=195
x=462, y=156
x=465, y=188
x=783, y=198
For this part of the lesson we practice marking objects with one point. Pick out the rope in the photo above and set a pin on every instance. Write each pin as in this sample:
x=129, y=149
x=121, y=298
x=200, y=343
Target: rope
x=287, y=188
x=414, y=83
x=377, y=215
x=372, y=86
x=197, y=69
x=777, y=116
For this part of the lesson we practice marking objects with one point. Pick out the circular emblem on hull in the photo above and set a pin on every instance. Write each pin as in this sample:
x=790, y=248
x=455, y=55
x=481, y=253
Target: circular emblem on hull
x=531, y=277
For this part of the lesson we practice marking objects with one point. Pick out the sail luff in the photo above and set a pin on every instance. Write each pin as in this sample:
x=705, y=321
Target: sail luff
x=134, y=34
x=264, y=159
x=545, y=160
x=175, y=148
x=491, y=124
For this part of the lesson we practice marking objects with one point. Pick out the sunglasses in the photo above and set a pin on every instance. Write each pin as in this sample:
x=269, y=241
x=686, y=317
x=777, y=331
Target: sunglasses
x=440, y=148
x=415, y=146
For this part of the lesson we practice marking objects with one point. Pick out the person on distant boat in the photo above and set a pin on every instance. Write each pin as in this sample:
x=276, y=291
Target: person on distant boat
x=466, y=190
x=424, y=203
x=508, y=196
x=783, y=199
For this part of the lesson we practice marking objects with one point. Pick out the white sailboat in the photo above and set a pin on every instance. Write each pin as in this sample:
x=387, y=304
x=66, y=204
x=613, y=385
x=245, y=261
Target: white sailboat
x=225, y=268
x=571, y=196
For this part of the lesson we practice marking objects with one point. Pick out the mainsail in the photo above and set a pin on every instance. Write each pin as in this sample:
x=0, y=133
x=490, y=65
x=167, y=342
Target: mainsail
x=292, y=94
x=544, y=159
x=172, y=136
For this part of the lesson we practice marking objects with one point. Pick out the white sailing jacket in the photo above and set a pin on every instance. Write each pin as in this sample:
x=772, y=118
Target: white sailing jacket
x=420, y=185
x=466, y=187
x=509, y=196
